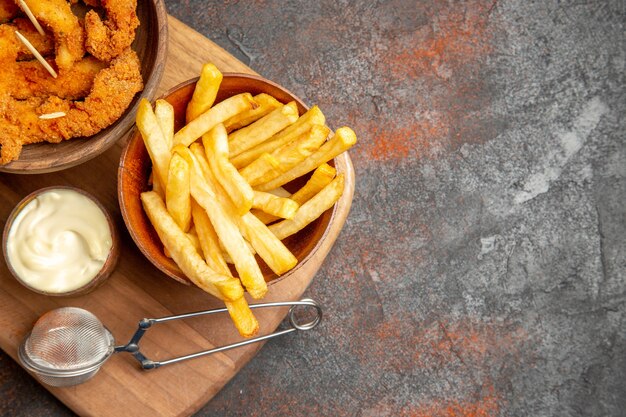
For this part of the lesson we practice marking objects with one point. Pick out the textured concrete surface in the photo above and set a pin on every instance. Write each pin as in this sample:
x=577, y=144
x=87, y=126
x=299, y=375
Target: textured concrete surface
x=482, y=270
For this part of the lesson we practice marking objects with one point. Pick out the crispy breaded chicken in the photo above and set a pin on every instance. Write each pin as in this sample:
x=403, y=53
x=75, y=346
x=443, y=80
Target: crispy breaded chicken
x=8, y=10
x=57, y=16
x=30, y=79
x=23, y=79
x=106, y=40
x=112, y=91
x=43, y=43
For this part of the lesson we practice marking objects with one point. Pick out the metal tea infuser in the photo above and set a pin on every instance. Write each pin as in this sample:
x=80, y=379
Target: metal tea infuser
x=68, y=345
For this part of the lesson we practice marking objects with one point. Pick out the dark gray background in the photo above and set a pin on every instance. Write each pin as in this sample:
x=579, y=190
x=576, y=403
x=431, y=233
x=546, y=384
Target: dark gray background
x=482, y=268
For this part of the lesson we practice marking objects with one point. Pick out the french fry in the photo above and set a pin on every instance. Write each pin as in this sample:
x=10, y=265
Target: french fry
x=192, y=235
x=271, y=250
x=266, y=104
x=310, y=210
x=177, y=196
x=266, y=166
x=321, y=177
x=216, y=147
x=267, y=245
x=242, y=316
x=205, y=91
x=288, y=156
x=215, y=115
x=261, y=130
x=278, y=206
x=280, y=192
x=227, y=257
x=185, y=255
x=239, y=311
x=313, y=116
x=203, y=189
x=209, y=242
x=164, y=113
x=342, y=141
x=294, y=152
x=152, y=135
x=156, y=185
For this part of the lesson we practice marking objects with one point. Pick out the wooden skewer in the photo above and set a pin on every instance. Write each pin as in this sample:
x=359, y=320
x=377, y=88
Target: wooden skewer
x=35, y=52
x=54, y=115
x=31, y=16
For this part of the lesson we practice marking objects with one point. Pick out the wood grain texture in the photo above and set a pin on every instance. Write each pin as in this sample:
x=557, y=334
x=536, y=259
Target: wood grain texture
x=136, y=289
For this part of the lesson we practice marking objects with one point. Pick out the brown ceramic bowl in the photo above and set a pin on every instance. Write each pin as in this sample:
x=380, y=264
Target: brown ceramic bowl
x=107, y=268
x=135, y=167
x=151, y=47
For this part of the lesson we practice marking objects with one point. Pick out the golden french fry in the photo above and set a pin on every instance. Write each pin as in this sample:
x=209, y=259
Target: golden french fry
x=266, y=104
x=152, y=135
x=266, y=166
x=294, y=152
x=288, y=156
x=224, y=219
x=216, y=147
x=261, y=130
x=153, y=180
x=278, y=206
x=321, y=177
x=342, y=141
x=215, y=115
x=265, y=218
x=280, y=192
x=164, y=113
x=227, y=257
x=220, y=285
x=310, y=210
x=271, y=250
x=185, y=255
x=177, y=196
x=205, y=91
x=209, y=242
x=195, y=241
x=192, y=235
x=242, y=316
x=313, y=116
x=267, y=245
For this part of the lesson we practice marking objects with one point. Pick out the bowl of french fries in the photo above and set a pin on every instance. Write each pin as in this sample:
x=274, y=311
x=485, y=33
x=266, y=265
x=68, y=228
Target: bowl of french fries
x=229, y=182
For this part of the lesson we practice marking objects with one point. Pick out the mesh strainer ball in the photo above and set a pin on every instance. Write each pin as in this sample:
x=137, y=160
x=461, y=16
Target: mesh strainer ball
x=67, y=346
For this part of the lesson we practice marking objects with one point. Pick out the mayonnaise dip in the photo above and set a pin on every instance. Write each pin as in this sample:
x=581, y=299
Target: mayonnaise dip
x=59, y=241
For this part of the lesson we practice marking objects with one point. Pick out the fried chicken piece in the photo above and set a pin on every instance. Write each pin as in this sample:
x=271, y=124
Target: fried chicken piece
x=8, y=10
x=23, y=79
x=69, y=35
x=112, y=91
x=106, y=40
x=30, y=79
x=13, y=49
x=16, y=117
x=9, y=45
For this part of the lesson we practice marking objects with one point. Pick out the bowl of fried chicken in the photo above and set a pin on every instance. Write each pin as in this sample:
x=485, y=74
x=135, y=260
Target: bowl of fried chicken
x=72, y=73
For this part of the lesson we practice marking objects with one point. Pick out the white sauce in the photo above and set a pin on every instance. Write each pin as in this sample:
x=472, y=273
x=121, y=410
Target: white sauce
x=59, y=241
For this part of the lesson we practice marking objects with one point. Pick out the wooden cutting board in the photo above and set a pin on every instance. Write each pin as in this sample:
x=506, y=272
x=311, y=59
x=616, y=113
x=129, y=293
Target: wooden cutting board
x=137, y=289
